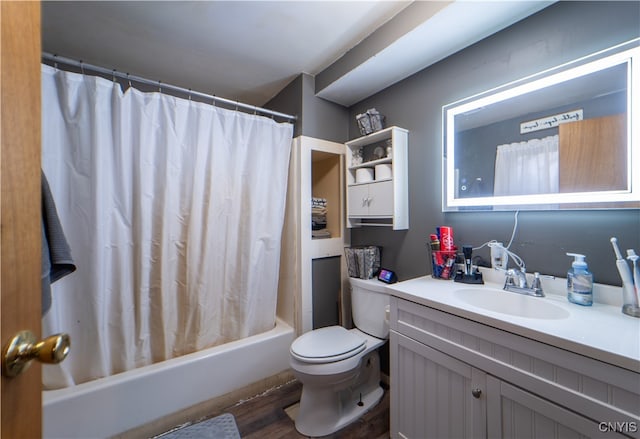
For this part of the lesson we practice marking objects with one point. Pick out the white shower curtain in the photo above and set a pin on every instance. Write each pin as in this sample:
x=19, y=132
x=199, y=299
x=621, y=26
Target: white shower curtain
x=530, y=167
x=173, y=210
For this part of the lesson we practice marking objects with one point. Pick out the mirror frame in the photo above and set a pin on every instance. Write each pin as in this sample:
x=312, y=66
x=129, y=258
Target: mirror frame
x=627, y=53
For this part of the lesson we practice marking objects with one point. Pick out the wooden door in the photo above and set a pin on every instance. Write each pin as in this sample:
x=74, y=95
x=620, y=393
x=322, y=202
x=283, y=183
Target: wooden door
x=593, y=154
x=21, y=404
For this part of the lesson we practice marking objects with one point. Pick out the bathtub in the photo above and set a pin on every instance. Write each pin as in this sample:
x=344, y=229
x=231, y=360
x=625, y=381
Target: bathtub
x=112, y=405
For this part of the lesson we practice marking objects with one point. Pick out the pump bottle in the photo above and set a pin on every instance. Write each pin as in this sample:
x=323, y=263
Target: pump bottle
x=579, y=281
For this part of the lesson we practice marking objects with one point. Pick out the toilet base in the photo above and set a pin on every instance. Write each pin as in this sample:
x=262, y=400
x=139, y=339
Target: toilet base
x=325, y=410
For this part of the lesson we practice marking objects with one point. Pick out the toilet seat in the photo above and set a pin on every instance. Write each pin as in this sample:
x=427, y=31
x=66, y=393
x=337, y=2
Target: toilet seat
x=325, y=345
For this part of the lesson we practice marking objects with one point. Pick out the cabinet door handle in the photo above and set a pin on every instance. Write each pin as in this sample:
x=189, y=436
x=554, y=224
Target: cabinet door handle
x=476, y=393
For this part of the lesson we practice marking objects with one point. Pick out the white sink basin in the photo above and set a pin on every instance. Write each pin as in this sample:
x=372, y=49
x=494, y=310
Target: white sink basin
x=514, y=304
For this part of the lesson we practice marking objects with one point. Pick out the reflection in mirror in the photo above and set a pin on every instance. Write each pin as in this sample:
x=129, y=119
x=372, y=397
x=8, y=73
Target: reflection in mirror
x=559, y=139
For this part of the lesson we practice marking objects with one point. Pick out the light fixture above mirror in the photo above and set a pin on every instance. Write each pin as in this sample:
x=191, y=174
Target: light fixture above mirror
x=560, y=139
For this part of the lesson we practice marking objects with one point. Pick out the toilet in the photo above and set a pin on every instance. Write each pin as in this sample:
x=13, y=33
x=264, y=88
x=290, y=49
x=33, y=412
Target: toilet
x=340, y=369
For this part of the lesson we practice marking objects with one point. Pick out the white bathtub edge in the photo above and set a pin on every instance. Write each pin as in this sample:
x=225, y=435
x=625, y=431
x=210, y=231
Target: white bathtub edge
x=112, y=405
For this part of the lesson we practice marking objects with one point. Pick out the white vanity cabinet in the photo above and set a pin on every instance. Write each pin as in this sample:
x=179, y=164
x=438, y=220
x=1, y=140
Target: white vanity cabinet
x=455, y=377
x=384, y=200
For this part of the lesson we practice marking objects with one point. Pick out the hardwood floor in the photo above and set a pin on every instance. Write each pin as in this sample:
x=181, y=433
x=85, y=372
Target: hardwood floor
x=264, y=416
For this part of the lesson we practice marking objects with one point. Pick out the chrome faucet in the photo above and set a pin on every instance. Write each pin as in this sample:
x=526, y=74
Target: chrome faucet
x=515, y=281
x=516, y=278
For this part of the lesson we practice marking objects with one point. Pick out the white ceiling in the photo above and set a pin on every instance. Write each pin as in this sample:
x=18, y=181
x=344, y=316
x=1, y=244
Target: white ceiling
x=250, y=50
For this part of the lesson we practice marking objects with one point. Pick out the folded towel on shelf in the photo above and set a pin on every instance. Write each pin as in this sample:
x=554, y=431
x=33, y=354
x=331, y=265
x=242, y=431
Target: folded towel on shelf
x=318, y=222
x=318, y=202
x=319, y=218
x=319, y=234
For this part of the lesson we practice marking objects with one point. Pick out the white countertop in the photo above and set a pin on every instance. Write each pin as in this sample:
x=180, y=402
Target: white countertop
x=599, y=331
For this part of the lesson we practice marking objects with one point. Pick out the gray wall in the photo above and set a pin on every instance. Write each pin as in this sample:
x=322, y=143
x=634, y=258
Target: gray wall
x=317, y=117
x=560, y=33
x=326, y=280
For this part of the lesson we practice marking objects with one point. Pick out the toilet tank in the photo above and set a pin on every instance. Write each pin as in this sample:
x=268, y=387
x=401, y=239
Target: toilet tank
x=369, y=304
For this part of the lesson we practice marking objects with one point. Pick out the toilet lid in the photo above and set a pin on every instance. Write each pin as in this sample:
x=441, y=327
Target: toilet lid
x=333, y=343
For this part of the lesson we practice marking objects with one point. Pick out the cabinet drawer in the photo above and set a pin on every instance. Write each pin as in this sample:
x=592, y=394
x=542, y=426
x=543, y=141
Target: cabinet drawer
x=602, y=392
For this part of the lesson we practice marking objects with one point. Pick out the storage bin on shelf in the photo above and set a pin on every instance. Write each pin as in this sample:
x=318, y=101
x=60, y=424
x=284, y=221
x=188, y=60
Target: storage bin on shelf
x=363, y=262
x=370, y=121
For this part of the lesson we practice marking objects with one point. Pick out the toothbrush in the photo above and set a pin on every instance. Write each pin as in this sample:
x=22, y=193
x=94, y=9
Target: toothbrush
x=628, y=294
x=631, y=255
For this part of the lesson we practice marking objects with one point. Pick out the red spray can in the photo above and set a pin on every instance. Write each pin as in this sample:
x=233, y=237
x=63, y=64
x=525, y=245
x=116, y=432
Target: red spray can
x=446, y=238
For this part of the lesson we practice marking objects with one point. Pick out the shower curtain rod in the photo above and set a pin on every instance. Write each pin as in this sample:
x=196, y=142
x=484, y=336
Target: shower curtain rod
x=82, y=65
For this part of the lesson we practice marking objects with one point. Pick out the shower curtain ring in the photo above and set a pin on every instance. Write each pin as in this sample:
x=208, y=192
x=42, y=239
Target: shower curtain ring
x=189, y=94
x=82, y=67
x=114, y=75
x=129, y=81
x=213, y=99
x=159, y=86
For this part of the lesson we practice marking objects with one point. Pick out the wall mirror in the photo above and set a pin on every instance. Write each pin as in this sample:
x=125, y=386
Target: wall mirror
x=560, y=139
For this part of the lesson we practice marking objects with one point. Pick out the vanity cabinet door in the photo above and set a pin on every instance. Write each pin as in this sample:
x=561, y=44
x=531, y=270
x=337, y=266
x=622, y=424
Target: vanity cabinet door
x=434, y=395
x=515, y=413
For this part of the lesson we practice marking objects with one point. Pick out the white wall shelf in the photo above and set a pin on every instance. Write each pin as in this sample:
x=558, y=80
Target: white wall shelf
x=372, y=163
x=385, y=198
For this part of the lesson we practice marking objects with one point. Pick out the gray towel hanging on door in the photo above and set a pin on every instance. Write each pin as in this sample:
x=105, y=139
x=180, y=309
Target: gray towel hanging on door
x=56, y=254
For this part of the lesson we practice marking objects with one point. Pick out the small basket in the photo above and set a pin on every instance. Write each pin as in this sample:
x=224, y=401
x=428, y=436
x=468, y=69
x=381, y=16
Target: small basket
x=370, y=121
x=363, y=262
x=443, y=264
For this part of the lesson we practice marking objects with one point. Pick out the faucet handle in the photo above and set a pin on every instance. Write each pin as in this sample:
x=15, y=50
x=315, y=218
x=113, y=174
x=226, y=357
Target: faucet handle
x=516, y=278
x=522, y=278
x=536, y=284
x=509, y=277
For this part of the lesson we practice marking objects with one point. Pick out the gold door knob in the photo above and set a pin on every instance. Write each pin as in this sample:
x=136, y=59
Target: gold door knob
x=18, y=353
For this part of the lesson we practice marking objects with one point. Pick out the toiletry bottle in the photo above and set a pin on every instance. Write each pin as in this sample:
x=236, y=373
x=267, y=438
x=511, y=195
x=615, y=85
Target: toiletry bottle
x=579, y=281
x=435, y=242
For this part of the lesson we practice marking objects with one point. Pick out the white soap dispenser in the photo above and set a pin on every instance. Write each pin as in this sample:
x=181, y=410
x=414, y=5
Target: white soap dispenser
x=579, y=281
